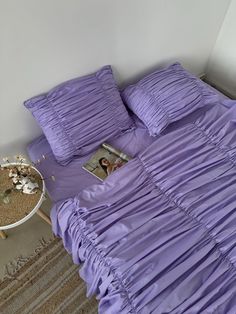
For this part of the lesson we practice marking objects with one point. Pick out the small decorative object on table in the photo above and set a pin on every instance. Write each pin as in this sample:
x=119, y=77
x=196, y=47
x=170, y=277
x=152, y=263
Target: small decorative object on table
x=22, y=191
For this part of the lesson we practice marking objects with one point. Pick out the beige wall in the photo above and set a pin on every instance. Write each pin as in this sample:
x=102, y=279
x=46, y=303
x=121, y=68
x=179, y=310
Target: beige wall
x=44, y=42
x=221, y=69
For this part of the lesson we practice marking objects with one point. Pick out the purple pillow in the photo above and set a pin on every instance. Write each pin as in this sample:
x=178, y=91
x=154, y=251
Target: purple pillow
x=165, y=96
x=78, y=115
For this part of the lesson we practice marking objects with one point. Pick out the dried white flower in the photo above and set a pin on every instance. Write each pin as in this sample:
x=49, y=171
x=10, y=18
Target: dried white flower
x=20, y=158
x=5, y=159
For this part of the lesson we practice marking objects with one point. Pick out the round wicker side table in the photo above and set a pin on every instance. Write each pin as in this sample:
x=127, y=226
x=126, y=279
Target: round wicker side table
x=21, y=207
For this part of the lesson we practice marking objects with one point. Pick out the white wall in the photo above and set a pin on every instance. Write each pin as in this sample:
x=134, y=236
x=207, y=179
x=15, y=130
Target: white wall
x=44, y=42
x=222, y=64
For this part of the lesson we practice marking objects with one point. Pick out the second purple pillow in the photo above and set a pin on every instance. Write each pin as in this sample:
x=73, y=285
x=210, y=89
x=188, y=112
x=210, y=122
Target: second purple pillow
x=165, y=96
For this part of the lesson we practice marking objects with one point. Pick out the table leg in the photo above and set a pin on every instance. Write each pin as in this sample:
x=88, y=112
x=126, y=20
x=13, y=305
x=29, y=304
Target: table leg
x=3, y=235
x=44, y=216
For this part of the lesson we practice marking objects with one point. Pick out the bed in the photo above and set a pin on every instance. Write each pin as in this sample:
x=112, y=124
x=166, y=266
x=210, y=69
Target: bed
x=158, y=235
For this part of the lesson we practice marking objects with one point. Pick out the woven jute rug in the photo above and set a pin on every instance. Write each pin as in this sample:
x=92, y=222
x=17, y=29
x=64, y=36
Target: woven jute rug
x=46, y=282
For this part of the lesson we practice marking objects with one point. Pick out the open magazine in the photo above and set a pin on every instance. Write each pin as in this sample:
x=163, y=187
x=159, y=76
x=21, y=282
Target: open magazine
x=106, y=160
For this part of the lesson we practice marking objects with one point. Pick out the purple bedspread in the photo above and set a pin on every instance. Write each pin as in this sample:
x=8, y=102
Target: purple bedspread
x=159, y=235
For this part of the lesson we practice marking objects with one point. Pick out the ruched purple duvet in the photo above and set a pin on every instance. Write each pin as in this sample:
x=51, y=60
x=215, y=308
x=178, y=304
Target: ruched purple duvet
x=159, y=235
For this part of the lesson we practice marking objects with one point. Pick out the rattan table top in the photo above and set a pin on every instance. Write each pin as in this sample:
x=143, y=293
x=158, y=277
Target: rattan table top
x=20, y=205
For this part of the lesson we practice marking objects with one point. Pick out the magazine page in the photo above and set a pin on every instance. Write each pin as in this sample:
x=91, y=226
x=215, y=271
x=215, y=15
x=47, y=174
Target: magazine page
x=105, y=161
x=116, y=151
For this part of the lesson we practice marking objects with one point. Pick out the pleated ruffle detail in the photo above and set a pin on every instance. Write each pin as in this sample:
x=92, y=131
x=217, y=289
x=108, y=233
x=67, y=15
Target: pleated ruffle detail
x=166, y=96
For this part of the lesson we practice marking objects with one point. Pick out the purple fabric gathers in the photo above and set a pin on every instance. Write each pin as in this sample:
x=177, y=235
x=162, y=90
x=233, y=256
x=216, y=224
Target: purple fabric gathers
x=165, y=96
x=158, y=236
x=80, y=114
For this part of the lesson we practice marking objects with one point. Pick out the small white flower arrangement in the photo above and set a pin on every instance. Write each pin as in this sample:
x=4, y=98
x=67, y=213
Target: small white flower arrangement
x=20, y=172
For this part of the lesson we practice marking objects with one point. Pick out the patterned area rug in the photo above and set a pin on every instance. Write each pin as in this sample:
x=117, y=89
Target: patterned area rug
x=46, y=282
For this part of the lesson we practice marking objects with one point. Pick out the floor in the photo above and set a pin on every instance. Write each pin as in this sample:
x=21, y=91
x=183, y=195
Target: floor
x=24, y=239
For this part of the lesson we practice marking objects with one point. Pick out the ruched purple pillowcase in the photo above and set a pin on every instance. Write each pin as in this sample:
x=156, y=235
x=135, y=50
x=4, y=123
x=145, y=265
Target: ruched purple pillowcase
x=166, y=96
x=80, y=114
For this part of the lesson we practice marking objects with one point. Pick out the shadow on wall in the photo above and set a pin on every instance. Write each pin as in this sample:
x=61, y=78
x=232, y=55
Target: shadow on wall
x=223, y=75
x=12, y=149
